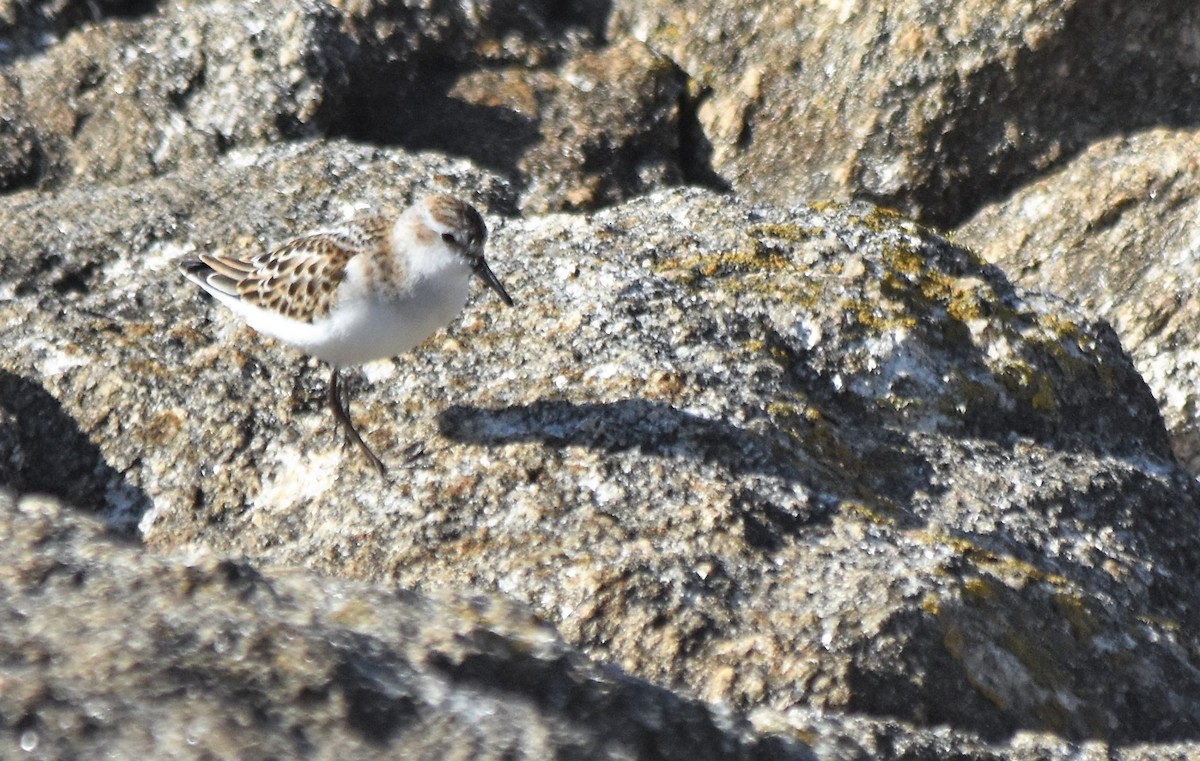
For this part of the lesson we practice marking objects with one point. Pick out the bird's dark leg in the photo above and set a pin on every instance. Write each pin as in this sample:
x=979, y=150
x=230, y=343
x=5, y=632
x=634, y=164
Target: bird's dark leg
x=343, y=417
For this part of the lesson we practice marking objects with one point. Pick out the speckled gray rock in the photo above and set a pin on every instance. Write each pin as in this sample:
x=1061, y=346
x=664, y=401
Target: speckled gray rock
x=125, y=98
x=111, y=652
x=527, y=90
x=602, y=127
x=27, y=26
x=1116, y=231
x=817, y=465
x=513, y=84
x=65, y=248
x=816, y=458
x=930, y=107
x=19, y=152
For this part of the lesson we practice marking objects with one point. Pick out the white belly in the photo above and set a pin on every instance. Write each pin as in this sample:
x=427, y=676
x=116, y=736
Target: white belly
x=363, y=328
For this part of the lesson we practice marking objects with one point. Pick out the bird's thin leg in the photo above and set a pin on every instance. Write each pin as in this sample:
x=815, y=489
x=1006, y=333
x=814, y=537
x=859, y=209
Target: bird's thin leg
x=343, y=417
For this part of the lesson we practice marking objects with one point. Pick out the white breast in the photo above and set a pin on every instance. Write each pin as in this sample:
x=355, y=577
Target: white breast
x=365, y=326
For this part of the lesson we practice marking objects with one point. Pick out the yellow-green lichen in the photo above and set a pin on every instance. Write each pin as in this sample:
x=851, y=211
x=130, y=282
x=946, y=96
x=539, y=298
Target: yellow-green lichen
x=1073, y=610
x=813, y=435
x=1043, y=666
x=755, y=269
x=1022, y=381
x=773, y=348
x=1061, y=327
x=811, y=432
x=931, y=604
x=821, y=207
x=880, y=218
x=757, y=256
x=904, y=259
x=788, y=231
x=1064, y=343
x=725, y=263
x=1001, y=566
x=875, y=319
x=964, y=305
x=924, y=290
x=868, y=514
x=978, y=590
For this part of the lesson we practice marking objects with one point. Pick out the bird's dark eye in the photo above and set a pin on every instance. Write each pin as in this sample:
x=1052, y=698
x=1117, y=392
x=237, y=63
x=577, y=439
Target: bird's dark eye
x=449, y=238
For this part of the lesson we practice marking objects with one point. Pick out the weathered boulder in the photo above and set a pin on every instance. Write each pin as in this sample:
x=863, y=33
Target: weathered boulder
x=111, y=651
x=1115, y=231
x=832, y=484
x=931, y=108
x=819, y=457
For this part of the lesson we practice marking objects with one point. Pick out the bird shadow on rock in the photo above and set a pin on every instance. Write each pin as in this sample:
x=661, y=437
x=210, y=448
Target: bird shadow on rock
x=43, y=450
x=657, y=429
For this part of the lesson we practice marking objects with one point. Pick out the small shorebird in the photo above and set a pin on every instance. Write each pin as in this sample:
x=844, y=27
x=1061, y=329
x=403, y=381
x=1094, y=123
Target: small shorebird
x=371, y=288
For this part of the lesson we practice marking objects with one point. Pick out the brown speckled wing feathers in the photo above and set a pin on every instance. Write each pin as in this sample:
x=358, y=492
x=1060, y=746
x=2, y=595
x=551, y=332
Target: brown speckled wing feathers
x=300, y=278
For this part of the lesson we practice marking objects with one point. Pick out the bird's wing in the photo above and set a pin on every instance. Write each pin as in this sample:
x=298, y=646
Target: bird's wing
x=300, y=278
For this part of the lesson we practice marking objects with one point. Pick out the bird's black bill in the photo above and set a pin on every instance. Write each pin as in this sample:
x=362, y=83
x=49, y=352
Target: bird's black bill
x=486, y=275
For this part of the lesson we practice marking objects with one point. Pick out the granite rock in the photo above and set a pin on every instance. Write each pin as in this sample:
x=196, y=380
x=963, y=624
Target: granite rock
x=517, y=86
x=29, y=26
x=602, y=127
x=787, y=479
x=122, y=99
x=931, y=108
x=124, y=243
x=1115, y=231
x=113, y=652
x=818, y=457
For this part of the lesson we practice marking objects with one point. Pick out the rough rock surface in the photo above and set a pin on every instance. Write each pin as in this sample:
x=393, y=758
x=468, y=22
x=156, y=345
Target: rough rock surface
x=1115, y=230
x=29, y=26
x=510, y=84
x=722, y=404
x=123, y=99
x=817, y=458
x=604, y=127
x=933, y=108
x=812, y=464
x=221, y=661
x=124, y=243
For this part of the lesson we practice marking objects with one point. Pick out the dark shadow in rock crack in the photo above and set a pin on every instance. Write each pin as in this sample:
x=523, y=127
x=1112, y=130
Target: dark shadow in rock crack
x=1111, y=87
x=535, y=123
x=427, y=117
x=695, y=149
x=31, y=26
x=43, y=449
x=380, y=700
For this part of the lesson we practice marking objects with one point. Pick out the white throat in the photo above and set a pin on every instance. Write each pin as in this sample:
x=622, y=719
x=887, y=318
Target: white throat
x=424, y=259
